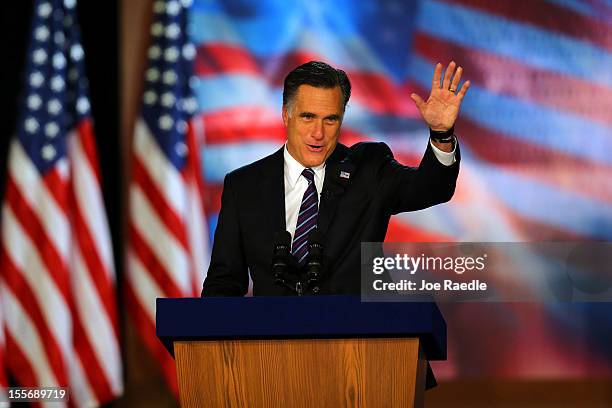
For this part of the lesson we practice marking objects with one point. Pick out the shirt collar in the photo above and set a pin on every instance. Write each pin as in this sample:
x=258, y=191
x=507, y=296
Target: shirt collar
x=293, y=168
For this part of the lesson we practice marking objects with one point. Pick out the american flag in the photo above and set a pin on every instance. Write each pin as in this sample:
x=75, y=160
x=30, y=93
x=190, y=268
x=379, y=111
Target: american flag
x=168, y=237
x=57, y=285
x=535, y=132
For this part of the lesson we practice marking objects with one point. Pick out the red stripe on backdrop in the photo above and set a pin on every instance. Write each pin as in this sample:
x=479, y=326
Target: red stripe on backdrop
x=91, y=366
x=240, y=124
x=555, y=168
x=572, y=173
x=399, y=231
x=154, y=267
x=30, y=223
x=171, y=220
x=373, y=90
x=288, y=61
x=521, y=227
x=22, y=292
x=18, y=364
x=146, y=328
x=213, y=197
x=507, y=76
x=547, y=16
x=380, y=95
x=535, y=230
x=94, y=265
x=88, y=143
x=216, y=58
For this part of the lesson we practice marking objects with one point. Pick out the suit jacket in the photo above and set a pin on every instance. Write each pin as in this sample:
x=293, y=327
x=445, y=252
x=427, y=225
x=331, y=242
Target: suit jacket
x=351, y=210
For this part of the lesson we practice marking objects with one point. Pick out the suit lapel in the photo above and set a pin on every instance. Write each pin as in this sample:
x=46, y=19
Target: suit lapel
x=272, y=187
x=338, y=173
x=337, y=176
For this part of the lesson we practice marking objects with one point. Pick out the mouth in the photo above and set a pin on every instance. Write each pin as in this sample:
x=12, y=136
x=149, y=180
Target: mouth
x=315, y=148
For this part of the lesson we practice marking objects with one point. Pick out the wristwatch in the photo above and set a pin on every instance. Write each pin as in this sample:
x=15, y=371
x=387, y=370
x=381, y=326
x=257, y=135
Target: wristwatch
x=442, y=137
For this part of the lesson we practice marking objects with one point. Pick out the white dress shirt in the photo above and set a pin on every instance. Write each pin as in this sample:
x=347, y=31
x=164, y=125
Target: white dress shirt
x=295, y=184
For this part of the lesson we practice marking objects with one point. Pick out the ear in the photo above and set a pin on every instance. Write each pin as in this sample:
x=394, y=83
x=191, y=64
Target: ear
x=285, y=116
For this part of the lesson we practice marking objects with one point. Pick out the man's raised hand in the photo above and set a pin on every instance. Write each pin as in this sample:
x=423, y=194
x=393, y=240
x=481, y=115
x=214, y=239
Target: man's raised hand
x=442, y=107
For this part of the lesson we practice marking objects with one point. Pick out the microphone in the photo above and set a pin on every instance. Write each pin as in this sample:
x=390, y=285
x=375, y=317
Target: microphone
x=282, y=249
x=315, y=260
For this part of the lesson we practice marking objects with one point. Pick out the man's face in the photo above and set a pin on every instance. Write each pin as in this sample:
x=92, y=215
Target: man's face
x=313, y=123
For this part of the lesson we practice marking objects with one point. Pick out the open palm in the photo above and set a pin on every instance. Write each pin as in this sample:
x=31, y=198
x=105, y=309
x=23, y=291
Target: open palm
x=442, y=106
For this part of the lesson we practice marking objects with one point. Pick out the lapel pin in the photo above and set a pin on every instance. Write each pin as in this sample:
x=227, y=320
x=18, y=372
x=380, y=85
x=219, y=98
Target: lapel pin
x=345, y=174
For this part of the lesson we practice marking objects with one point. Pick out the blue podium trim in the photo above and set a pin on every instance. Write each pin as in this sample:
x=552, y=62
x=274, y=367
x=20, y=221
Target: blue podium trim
x=274, y=317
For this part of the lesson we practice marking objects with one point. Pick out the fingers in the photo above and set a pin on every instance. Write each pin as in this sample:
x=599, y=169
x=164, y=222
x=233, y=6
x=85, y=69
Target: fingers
x=451, y=80
x=419, y=102
x=437, y=76
x=455, y=84
x=464, y=88
x=448, y=74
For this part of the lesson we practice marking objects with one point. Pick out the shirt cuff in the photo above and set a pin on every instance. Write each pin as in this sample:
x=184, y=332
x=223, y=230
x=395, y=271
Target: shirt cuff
x=446, y=158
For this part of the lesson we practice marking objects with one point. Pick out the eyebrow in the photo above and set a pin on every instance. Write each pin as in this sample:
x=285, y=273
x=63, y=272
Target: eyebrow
x=312, y=115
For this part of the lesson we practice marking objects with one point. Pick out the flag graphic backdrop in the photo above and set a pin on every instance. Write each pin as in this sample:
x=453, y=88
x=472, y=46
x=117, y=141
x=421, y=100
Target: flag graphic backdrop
x=535, y=131
x=57, y=285
x=168, y=238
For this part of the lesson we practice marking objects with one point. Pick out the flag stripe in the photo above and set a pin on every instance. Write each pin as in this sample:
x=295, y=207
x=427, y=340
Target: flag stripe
x=539, y=13
x=600, y=10
x=30, y=224
x=28, y=303
x=166, y=249
x=517, y=155
x=249, y=123
x=28, y=365
x=167, y=179
x=90, y=208
x=54, y=307
x=532, y=122
x=82, y=395
x=99, y=333
x=142, y=287
x=348, y=49
x=155, y=268
x=95, y=375
x=96, y=270
x=87, y=144
x=540, y=86
x=171, y=220
x=588, y=62
x=56, y=183
x=33, y=193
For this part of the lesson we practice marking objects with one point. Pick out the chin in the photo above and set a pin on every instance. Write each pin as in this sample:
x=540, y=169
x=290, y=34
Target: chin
x=314, y=161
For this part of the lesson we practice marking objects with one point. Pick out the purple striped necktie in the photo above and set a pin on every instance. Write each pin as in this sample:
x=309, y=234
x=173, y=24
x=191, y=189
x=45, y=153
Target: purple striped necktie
x=307, y=218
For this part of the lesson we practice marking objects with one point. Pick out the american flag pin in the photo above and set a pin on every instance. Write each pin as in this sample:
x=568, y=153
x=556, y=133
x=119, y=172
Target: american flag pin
x=345, y=174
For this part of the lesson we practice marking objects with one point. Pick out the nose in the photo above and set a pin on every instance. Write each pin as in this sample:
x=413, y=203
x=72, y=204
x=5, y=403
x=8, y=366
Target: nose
x=317, y=131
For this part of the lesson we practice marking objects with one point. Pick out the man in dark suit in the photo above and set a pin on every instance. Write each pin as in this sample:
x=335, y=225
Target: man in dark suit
x=347, y=193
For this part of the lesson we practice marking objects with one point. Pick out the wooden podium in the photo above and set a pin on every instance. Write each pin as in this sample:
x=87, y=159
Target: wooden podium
x=314, y=351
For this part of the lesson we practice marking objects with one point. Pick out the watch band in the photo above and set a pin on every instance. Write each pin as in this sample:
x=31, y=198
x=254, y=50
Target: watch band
x=444, y=136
